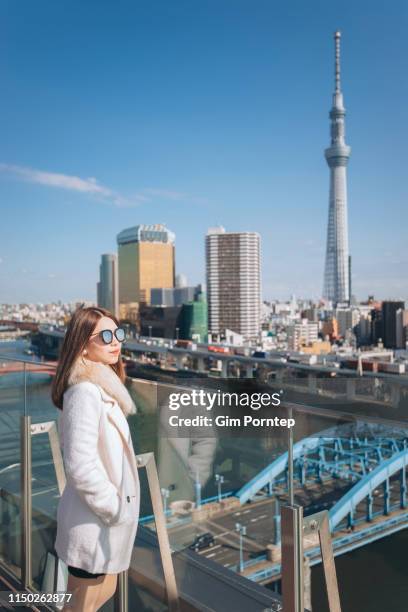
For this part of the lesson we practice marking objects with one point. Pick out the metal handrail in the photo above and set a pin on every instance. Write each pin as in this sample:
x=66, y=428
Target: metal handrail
x=19, y=360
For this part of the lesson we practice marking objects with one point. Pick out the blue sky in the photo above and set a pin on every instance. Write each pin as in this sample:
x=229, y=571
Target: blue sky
x=194, y=114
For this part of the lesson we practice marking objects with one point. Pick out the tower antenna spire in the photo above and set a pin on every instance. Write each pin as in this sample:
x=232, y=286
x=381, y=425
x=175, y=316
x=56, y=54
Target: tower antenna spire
x=337, y=36
x=336, y=275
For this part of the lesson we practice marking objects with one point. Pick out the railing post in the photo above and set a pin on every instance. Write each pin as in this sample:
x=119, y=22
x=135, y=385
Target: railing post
x=319, y=523
x=328, y=565
x=147, y=461
x=292, y=542
x=26, y=502
x=121, y=595
x=292, y=558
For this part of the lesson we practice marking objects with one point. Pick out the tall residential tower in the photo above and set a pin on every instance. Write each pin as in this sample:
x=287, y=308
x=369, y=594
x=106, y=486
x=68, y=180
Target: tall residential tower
x=233, y=270
x=336, y=273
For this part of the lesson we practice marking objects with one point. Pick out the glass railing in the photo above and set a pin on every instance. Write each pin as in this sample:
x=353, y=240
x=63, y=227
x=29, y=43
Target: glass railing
x=28, y=513
x=293, y=513
x=252, y=513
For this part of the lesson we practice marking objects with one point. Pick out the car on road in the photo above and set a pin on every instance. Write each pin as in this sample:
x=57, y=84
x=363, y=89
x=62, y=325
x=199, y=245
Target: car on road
x=204, y=540
x=260, y=354
x=186, y=344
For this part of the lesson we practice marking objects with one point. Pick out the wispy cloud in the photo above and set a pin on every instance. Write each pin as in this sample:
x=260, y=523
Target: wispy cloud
x=165, y=193
x=91, y=186
x=176, y=196
x=72, y=183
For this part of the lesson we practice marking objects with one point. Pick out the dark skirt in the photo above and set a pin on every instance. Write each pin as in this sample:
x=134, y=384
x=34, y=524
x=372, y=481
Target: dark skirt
x=80, y=573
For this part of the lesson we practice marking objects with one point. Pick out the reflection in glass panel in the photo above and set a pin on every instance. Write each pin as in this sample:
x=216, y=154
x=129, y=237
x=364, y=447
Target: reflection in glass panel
x=11, y=409
x=223, y=493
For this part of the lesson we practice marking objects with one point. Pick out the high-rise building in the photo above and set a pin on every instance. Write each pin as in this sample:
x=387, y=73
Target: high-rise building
x=302, y=333
x=311, y=314
x=402, y=328
x=389, y=318
x=108, y=285
x=233, y=276
x=160, y=321
x=363, y=330
x=146, y=256
x=347, y=318
x=377, y=327
x=337, y=265
x=330, y=327
x=175, y=296
x=181, y=280
x=194, y=319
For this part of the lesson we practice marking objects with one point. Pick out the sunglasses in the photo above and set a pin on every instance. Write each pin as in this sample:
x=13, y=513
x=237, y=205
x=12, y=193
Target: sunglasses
x=107, y=335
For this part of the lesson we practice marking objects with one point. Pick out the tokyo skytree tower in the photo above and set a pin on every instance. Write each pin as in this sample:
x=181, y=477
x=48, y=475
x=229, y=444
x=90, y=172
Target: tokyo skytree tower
x=336, y=273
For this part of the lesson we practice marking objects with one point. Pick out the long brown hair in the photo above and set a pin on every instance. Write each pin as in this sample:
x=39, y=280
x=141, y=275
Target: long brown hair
x=79, y=330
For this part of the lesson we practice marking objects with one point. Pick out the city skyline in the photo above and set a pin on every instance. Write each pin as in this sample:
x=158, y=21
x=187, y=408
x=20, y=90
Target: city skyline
x=231, y=136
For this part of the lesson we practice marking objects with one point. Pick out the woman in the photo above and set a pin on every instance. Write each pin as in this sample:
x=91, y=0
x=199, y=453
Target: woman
x=98, y=511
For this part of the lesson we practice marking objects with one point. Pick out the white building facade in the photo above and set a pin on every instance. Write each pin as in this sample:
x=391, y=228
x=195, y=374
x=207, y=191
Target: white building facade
x=233, y=276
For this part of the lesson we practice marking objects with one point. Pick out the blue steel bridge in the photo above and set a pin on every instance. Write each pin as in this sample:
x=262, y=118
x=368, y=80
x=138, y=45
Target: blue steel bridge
x=355, y=471
x=369, y=460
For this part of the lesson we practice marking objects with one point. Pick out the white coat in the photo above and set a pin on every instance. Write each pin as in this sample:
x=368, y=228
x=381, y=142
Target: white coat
x=98, y=511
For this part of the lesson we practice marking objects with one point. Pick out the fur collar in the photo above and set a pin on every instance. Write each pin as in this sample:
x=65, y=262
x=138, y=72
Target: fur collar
x=104, y=376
